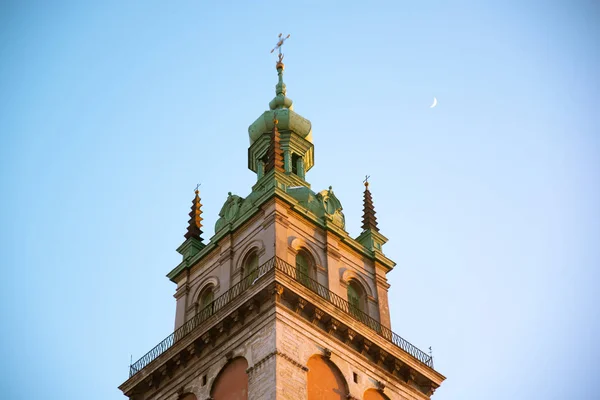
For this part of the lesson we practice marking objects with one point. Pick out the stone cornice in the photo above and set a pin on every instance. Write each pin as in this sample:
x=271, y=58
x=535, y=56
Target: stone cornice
x=241, y=310
x=181, y=291
x=399, y=376
x=358, y=329
x=268, y=188
x=260, y=362
x=276, y=353
x=292, y=361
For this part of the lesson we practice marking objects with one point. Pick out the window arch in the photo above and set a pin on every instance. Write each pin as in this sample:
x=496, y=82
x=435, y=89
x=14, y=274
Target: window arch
x=325, y=381
x=232, y=381
x=250, y=266
x=206, y=301
x=304, y=267
x=357, y=299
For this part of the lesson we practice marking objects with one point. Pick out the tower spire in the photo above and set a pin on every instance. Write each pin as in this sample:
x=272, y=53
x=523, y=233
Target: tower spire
x=195, y=222
x=369, y=221
x=289, y=143
x=280, y=100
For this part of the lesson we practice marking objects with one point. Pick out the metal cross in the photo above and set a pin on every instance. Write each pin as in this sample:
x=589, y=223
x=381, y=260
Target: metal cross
x=197, y=186
x=279, y=44
x=366, y=178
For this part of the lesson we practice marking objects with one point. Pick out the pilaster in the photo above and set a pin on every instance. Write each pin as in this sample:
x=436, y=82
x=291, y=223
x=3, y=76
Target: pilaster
x=333, y=262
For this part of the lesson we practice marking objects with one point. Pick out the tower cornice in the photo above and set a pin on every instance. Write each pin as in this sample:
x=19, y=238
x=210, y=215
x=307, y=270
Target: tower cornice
x=268, y=188
x=320, y=309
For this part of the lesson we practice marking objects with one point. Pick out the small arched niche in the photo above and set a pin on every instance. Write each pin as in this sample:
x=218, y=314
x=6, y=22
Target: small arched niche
x=357, y=298
x=325, y=381
x=232, y=381
x=250, y=266
x=305, y=267
x=373, y=394
x=206, y=301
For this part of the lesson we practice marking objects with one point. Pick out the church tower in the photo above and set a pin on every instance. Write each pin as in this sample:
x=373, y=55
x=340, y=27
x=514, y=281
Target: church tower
x=281, y=303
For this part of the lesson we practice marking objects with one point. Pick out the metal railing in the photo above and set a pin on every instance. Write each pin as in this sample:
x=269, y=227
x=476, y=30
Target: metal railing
x=354, y=312
x=202, y=316
x=305, y=280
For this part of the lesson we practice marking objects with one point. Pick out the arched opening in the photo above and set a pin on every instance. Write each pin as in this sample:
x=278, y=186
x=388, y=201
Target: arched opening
x=295, y=158
x=372, y=394
x=325, y=381
x=357, y=299
x=232, y=381
x=188, y=396
x=206, y=302
x=304, y=267
x=250, y=267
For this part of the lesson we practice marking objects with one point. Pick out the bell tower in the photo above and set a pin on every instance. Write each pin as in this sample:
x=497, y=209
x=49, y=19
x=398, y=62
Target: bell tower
x=295, y=137
x=281, y=302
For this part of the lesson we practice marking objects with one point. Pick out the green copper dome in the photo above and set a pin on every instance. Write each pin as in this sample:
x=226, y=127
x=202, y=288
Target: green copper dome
x=283, y=107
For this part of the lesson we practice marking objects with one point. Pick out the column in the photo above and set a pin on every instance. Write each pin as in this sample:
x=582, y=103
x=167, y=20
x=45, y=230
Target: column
x=287, y=161
x=300, y=167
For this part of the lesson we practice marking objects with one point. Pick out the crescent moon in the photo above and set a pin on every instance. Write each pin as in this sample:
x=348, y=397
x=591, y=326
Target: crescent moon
x=434, y=103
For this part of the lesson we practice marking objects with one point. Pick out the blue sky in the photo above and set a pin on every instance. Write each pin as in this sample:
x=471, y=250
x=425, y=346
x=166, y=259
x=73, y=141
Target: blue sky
x=111, y=112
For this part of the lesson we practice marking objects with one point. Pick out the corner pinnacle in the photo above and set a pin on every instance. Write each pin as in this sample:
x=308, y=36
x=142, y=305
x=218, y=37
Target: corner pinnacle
x=369, y=221
x=195, y=222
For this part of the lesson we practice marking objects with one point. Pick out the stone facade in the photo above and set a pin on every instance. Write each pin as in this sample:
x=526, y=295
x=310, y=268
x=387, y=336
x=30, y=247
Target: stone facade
x=277, y=329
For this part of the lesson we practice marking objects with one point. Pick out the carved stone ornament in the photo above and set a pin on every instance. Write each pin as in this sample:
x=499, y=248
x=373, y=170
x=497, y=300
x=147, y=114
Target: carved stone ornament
x=229, y=211
x=332, y=207
x=277, y=291
x=366, y=346
x=317, y=316
x=206, y=338
x=300, y=305
x=382, y=357
x=430, y=389
x=350, y=335
x=333, y=326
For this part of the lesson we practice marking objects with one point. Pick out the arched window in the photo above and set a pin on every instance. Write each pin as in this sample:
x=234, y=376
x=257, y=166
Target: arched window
x=303, y=267
x=325, y=381
x=250, y=267
x=205, y=302
x=232, y=381
x=356, y=299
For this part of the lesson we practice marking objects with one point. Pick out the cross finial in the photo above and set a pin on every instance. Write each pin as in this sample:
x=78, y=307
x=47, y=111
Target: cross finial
x=197, y=186
x=280, y=42
x=366, y=181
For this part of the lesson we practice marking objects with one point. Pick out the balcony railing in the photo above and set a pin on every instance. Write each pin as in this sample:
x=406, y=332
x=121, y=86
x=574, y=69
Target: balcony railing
x=305, y=280
x=202, y=316
x=354, y=312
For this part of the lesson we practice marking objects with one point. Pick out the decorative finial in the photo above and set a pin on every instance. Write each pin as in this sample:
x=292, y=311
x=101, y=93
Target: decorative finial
x=278, y=47
x=369, y=220
x=195, y=222
x=280, y=100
